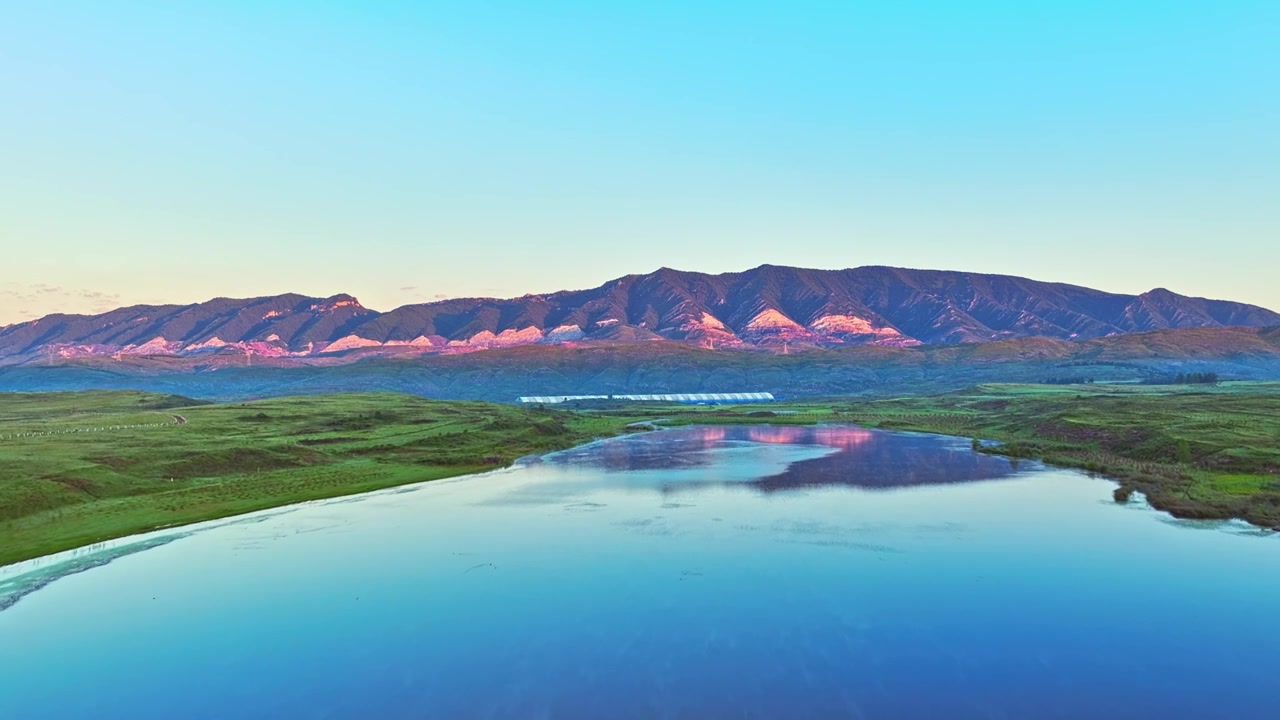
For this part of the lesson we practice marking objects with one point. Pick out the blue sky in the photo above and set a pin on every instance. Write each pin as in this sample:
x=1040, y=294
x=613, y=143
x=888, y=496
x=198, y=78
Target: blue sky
x=177, y=151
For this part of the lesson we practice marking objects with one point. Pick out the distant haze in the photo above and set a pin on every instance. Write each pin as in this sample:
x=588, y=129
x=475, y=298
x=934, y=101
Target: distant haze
x=408, y=152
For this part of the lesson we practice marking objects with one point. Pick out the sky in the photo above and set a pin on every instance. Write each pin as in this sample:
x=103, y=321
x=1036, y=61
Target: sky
x=171, y=152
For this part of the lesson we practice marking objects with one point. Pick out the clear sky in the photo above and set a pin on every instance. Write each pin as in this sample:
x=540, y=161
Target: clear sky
x=403, y=151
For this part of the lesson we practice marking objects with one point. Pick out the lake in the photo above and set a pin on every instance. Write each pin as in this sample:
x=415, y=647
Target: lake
x=705, y=572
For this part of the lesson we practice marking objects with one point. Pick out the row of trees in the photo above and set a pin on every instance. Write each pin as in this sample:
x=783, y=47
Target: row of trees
x=1200, y=378
x=1070, y=380
x=1195, y=378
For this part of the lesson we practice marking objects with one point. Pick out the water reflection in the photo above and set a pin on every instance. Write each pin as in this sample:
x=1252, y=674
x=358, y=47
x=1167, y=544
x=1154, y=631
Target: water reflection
x=568, y=589
x=802, y=457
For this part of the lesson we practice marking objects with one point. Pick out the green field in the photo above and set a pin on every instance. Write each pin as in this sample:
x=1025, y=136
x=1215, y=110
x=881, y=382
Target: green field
x=77, y=468
x=1210, y=452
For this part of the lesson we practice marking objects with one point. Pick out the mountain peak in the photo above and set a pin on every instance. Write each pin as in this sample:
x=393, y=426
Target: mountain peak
x=341, y=300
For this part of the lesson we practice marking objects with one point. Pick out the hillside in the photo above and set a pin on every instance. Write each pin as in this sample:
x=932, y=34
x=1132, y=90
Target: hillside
x=768, y=307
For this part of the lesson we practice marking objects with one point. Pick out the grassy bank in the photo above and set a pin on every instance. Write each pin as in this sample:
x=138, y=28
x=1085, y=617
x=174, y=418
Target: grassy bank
x=78, y=468
x=1211, y=452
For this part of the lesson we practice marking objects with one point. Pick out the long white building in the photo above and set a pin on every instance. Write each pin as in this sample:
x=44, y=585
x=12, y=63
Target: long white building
x=695, y=398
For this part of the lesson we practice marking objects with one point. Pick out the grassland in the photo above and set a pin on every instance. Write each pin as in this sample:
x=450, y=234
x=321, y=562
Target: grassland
x=1211, y=452
x=78, y=468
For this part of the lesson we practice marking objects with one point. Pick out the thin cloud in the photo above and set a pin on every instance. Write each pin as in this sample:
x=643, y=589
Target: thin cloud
x=31, y=301
x=101, y=296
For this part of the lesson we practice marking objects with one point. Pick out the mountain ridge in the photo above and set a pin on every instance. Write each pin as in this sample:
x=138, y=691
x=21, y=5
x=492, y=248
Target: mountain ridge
x=769, y=307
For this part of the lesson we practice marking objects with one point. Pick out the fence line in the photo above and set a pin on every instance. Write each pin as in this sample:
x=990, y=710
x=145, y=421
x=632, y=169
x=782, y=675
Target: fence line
x=105, y=428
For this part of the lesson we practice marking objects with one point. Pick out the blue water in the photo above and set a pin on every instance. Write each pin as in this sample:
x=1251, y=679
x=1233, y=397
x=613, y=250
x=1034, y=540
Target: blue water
x=694, y=573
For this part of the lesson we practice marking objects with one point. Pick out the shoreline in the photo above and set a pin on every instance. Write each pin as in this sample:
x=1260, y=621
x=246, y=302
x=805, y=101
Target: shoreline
x=326, y=447
x=26, y=576
x=197, y=525
x=1194, y=456
x=1131, y=482
x=141, y=532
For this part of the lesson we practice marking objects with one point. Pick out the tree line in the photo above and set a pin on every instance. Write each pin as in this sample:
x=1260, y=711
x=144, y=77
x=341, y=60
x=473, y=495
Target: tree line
x=1195, y=378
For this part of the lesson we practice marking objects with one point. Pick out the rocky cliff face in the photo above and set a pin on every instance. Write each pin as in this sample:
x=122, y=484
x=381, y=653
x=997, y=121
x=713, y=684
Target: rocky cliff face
x=768, y=307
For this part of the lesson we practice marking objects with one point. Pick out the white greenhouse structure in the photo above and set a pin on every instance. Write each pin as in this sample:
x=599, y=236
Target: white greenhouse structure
x=692, y=398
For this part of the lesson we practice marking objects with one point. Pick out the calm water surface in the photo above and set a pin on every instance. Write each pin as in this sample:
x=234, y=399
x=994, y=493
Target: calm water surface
x=746, y=572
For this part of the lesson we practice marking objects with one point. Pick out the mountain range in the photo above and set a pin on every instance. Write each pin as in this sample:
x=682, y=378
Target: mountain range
x=769, y=307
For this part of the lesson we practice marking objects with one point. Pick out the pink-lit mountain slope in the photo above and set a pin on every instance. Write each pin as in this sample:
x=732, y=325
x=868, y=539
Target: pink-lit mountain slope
x=767, y=307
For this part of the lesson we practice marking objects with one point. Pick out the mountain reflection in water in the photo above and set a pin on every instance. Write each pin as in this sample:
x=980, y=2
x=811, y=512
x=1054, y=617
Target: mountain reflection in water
x=836, y=455
x=663, y=575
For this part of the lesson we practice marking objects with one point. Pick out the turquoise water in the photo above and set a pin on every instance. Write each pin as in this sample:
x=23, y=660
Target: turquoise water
x=758, y=572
